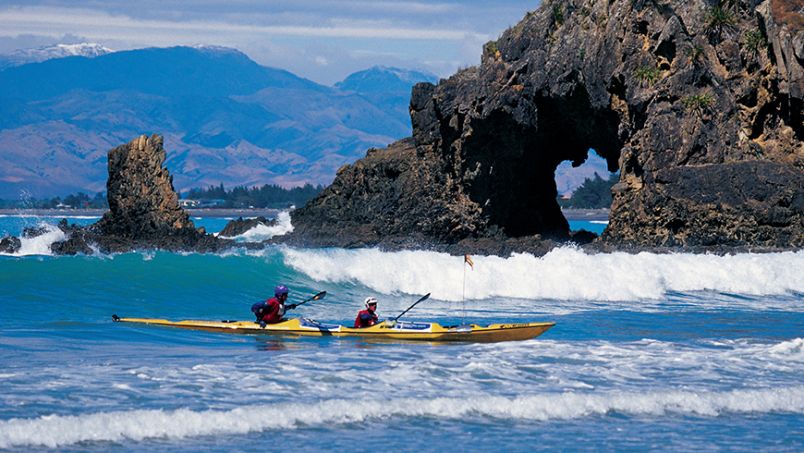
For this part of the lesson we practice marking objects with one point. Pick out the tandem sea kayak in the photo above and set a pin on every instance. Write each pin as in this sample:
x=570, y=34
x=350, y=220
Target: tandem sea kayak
x=389, y=330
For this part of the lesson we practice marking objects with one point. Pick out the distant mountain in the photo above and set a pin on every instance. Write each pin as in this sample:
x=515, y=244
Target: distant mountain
x=225, y=119
x=38, y=54
x=380, y=79
x=388, y=88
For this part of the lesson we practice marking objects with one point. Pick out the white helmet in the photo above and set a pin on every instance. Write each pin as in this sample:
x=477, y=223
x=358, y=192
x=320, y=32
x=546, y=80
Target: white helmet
x=370, y=301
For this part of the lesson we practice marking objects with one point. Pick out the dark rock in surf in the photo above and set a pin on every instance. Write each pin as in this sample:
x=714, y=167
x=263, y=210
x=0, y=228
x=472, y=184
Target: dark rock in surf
x=144, y=212
x=10, y=244
x=704, y=126
x=239, y=226
x=31, y=232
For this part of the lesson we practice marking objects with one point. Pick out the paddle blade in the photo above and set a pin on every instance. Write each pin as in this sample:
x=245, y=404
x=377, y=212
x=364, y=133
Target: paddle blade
x=320, y=295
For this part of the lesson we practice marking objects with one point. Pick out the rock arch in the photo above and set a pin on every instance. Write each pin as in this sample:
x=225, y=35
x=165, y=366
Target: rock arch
x=705, y=130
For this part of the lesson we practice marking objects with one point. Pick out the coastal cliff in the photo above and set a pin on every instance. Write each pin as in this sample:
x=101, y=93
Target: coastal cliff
x=698, y=105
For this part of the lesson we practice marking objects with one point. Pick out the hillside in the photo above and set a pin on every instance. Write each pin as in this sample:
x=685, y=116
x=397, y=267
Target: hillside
x=225, y=119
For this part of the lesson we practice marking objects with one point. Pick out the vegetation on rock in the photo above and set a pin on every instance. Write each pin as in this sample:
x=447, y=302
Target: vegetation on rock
x=594, y=193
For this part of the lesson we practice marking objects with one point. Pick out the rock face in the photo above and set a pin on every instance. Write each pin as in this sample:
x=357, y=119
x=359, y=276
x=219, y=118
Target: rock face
x=699, y=105
x=142, y=201
x=144, y=211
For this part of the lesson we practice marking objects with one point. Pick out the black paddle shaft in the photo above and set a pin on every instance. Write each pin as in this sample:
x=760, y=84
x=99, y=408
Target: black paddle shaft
x=318, y=296
x=414, y=304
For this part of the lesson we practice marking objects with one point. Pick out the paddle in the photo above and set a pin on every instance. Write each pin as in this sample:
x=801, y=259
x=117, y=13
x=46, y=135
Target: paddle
x=318, y=296
x=414, y=304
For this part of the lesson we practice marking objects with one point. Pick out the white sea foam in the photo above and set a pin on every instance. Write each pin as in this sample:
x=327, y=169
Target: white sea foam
x=793, y=349
x=59, y=431
x=600, y=222
x=263, y=232
x=565, y=273
x=39, y=245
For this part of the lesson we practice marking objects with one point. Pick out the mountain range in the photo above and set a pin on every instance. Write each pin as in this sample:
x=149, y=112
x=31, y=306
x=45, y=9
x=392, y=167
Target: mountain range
x=225, y=118
x=24, y=56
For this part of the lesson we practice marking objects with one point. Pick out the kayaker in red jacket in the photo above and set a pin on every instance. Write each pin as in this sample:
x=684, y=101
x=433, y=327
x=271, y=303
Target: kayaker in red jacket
x=272, y=310
x=367, y=317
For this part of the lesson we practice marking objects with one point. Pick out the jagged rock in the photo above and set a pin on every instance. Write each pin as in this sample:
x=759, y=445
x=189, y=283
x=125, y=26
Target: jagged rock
x=142, y=201
x=239, y=226
x=10, y=244
x=703, y=123
x=31, y=232
x=144, y=212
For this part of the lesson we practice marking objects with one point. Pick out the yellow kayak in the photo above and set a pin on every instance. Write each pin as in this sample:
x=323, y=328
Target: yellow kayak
x=390, y=330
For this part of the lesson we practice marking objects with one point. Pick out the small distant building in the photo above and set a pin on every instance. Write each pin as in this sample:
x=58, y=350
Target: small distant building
x=189, y=203
x=213, y=203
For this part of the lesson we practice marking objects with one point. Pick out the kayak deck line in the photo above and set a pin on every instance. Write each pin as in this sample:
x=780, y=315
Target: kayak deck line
x=390, y=330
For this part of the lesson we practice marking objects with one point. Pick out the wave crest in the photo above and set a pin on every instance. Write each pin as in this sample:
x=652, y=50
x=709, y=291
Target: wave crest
x=565, y=273
x=58, y=431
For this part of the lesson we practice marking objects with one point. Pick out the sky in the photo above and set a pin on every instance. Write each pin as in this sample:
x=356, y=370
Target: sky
x=321, y=40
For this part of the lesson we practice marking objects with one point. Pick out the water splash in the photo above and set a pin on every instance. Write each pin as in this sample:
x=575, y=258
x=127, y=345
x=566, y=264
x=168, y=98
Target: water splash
x=263, y=232
x=40, y=245
x=565, y=273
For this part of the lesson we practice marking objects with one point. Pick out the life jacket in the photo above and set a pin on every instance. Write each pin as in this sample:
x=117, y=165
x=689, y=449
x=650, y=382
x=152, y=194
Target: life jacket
x=269, y=311
x=365, y=318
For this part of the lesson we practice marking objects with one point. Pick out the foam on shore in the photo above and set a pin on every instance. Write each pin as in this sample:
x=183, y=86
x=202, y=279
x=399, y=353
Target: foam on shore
x=120, y=426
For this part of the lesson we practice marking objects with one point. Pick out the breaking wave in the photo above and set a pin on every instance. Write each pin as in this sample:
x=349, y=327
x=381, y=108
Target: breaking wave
x=565, y=273
x=59, y=431
x=39, y=245
x=263, y=232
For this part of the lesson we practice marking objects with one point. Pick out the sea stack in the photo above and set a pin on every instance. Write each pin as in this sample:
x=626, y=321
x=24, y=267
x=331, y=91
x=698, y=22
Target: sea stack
x=698, y=104
x=144, y=211
x=142, y=201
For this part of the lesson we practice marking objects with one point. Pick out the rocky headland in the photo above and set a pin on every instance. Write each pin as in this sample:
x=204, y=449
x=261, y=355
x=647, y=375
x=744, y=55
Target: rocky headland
x=697, y=103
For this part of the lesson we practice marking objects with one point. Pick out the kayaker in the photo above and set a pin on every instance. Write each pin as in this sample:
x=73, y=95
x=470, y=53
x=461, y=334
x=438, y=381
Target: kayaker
x=272, y=310
x=367, y=317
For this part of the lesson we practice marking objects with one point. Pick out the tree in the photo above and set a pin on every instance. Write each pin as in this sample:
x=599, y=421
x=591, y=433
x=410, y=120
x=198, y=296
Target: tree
x=594, y=193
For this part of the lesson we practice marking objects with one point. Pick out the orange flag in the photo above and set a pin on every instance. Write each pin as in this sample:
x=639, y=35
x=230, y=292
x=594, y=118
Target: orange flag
x=468, y=260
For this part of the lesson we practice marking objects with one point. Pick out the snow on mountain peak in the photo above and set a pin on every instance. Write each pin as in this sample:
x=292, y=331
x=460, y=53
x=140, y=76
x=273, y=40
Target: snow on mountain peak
x=39, y=54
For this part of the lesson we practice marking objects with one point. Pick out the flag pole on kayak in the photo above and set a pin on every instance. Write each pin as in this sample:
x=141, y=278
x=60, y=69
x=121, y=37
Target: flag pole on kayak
x=423, y=298
x=466, y=260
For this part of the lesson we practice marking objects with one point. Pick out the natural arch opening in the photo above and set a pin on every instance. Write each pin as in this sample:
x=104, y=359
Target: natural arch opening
x=512, y=166
x=584, y=193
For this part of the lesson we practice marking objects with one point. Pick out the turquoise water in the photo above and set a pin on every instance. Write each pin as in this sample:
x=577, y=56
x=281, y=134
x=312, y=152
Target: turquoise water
x=660, y=352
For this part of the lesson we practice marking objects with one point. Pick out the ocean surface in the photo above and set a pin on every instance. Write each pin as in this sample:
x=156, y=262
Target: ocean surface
x=673, y=352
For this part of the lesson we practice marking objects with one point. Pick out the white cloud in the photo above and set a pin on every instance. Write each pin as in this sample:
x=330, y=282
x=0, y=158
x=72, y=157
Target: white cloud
x=57, y=21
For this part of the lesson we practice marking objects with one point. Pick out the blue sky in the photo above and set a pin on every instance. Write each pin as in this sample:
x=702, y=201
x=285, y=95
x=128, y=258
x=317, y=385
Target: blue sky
x=321, y=40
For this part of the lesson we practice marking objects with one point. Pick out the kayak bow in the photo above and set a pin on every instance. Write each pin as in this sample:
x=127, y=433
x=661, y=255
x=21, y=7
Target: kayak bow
x=387, y=330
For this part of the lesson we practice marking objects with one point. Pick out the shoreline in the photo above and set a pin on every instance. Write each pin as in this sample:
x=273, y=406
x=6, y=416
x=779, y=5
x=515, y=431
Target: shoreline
x=213, y=212
x=586, y=214
x=569, y=214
